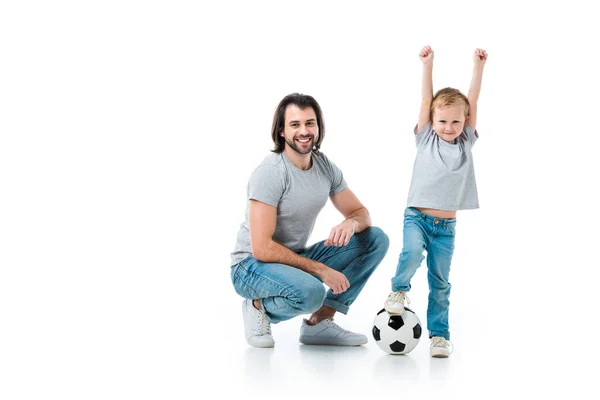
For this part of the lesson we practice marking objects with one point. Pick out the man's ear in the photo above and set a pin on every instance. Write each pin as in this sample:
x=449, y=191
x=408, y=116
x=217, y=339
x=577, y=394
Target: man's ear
x=281, y=132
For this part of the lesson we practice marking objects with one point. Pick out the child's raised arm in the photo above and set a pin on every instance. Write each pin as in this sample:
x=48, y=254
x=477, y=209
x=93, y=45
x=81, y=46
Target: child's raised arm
x=426, y=56
x=479, y=59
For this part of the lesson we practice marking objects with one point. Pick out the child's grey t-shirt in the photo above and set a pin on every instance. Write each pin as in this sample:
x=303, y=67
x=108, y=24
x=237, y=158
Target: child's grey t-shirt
x=443, y=174
x=298, y=195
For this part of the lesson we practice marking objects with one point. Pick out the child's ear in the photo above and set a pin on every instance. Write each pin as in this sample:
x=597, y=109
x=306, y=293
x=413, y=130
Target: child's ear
x=467, y=120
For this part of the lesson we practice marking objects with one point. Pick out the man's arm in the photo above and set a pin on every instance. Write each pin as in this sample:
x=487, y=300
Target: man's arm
x=357, y=218
x=262, y=220
x=479, y=59
x=426, y=57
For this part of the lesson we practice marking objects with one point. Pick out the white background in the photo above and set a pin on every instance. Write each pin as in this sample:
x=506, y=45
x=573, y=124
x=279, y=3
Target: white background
x=128, y=131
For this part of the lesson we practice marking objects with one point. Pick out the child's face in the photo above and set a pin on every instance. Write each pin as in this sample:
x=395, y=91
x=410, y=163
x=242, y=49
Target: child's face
x=449, y=122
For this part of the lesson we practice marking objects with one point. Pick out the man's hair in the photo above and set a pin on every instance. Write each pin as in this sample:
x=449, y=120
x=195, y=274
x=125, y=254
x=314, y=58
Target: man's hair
x=449, y=97
x=302, y=101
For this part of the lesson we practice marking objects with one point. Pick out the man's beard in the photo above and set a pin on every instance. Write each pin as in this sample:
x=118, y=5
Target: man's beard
x=293, y=145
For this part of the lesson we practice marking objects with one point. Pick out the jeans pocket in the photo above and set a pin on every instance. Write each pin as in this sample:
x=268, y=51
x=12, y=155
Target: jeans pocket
x=239, y=278
x=234, y=273
x=409, y=212
x=451, y=229
x=235, y=276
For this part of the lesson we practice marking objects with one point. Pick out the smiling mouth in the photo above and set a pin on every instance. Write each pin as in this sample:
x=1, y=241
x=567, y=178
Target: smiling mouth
x=306, y=140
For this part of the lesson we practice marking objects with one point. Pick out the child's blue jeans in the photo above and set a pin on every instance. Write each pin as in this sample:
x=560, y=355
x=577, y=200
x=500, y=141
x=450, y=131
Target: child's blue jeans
x=436, y=236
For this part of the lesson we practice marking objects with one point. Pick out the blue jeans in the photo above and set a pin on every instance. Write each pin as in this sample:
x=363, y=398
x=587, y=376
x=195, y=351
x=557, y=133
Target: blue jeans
x=286, y=291
x=436, y=236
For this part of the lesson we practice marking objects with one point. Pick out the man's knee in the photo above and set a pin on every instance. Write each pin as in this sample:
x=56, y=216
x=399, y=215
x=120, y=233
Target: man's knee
x=378, y=238
x=311, y=298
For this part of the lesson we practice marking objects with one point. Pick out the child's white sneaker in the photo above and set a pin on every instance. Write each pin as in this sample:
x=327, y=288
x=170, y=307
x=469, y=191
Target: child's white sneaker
x=256, y=326
x=395, y=302
x=440, y=347
x=329, y=333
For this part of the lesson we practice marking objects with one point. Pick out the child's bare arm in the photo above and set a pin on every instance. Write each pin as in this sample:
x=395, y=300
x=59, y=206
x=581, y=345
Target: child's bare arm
x=479, y=59
x=426, y=56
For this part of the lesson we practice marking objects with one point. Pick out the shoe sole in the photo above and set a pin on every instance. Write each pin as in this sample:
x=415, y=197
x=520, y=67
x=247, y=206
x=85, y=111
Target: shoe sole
x=439, y=355
x=261, y=345
x=310, y=340
x=395, y=311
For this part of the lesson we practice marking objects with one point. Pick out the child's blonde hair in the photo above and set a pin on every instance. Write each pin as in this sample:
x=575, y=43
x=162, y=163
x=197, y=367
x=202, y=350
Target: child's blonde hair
x=449, y=97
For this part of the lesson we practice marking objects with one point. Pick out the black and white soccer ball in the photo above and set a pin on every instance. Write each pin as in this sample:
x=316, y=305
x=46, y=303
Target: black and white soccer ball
x=397, y=333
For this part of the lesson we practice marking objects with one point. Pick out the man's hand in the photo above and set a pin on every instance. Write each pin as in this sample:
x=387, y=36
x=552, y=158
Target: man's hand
x=341, y=234
x=480, y=57
x=336, y=281
x=426, y=55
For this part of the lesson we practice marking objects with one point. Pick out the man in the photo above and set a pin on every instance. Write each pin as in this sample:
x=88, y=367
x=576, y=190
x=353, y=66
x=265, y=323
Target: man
x=271, y=267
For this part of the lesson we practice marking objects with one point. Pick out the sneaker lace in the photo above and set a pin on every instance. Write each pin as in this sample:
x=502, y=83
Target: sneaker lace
x=264, y=326
x=334, y=325
x=398, y=297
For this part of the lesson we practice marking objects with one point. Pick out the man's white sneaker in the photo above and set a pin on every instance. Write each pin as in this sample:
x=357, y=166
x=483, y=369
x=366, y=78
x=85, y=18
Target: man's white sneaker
x=329, y=333
x=395, y=302
x=440, y=347
x=256, y=326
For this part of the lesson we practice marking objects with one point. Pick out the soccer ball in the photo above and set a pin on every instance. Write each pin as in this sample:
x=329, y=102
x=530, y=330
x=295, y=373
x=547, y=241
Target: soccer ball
x=397, y=333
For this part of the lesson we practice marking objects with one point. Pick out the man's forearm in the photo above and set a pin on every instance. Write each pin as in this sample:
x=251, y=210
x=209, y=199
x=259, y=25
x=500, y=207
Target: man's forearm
x=273, y=252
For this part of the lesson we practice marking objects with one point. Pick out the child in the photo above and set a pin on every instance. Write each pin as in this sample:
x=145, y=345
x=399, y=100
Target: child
x=443, y=182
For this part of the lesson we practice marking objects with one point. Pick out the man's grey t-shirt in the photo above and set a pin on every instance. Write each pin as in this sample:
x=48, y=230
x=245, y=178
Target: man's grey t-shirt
x=298, y=195
x=443, y=174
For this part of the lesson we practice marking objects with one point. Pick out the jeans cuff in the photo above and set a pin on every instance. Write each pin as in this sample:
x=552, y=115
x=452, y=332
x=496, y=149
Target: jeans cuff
x=336, y=305
x=445, y=335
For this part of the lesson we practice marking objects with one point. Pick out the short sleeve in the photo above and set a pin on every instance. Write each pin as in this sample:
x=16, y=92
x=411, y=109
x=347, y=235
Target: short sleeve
x=470, y=135
x=338, y=183
x=424, y=135
x=266, y=185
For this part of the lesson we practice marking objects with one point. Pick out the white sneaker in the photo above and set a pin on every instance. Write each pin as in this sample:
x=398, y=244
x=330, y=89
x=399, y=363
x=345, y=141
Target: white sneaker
x=395, y=302
x=256, y=326
x=329, y=333
x=440, y=347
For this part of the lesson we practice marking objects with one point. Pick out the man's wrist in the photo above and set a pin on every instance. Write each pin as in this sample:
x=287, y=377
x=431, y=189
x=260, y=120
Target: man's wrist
x=319, y=268
x=353, y=222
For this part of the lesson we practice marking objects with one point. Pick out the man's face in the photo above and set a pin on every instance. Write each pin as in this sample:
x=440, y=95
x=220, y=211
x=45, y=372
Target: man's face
x=300, y=131
x=449, y=122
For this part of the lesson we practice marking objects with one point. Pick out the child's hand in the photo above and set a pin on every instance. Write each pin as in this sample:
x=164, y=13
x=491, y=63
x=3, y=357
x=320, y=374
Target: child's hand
x=426, y=55
x=480, y=57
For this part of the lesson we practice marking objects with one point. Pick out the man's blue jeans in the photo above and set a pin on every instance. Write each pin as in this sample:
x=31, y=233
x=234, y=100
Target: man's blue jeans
x=436, y=236
x=286, y=291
